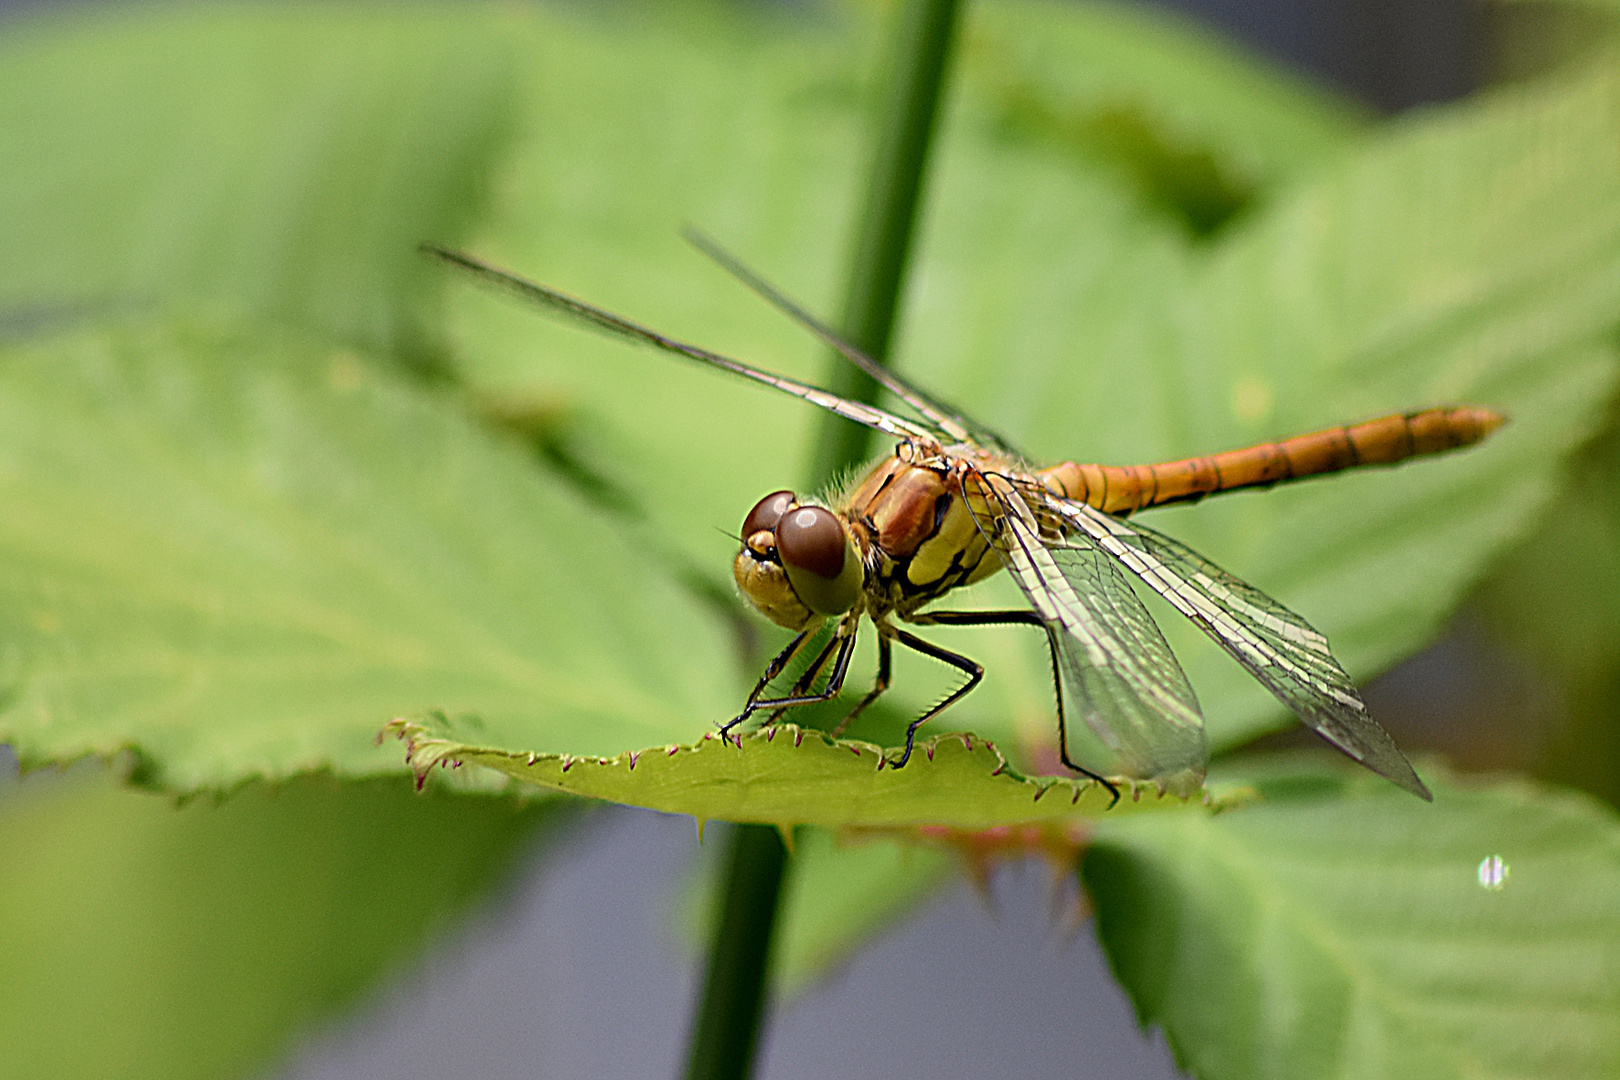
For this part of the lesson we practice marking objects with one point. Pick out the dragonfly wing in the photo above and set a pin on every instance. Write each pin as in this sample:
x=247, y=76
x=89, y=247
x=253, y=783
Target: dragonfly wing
x=951, y=425
x=1116, y=665
x=1289, y=656
x=579, y=311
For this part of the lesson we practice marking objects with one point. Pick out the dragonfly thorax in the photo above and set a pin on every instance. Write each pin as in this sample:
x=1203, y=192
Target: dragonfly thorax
x=924, y=539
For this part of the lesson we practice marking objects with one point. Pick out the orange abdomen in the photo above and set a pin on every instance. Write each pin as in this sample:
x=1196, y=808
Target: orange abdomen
x=1123, y=489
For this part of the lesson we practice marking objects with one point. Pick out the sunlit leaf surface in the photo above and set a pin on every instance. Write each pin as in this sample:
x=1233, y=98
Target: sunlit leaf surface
x=788, y=776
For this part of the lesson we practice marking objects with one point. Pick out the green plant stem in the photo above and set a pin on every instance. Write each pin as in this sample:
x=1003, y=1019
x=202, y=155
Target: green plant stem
x=725, y=1032
x=727, y=1029
x=883, y=236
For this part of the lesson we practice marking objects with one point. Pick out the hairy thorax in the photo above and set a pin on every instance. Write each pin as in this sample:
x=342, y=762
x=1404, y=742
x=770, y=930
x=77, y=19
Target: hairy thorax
x=911, y=519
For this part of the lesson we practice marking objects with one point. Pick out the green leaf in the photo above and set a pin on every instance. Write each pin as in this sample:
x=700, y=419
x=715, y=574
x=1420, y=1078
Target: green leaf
x=1189, y=124
x=257, y=159
x=241, y=555
x=789, y=776
x=142, y=940
x=1555, y=601
x=1338, y=929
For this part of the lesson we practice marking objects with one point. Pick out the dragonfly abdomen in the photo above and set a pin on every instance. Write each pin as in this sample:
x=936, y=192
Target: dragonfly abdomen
x=1124, y=489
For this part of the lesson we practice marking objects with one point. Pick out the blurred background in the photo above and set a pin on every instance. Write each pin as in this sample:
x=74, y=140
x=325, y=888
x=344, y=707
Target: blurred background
x=577, y=968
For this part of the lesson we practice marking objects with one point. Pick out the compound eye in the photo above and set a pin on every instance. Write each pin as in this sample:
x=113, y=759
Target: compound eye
x=811, y=539
x=820, y=559
x=767, y=513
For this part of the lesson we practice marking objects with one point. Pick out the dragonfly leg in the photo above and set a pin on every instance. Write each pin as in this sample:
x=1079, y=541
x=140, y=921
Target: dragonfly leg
x=880, y=684
x=1025, y=618
x=1063, y=731
x=778, y=663
x=845, y=640
x=808, y=679
x=976, y=618
x=973, y=670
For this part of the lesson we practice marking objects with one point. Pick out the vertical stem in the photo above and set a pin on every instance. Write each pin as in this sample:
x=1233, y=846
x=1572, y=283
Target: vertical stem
x=926, y=35
x=725, y=1032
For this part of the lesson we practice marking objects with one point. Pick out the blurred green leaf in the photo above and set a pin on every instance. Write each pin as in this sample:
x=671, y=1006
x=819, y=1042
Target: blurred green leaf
x=240, y=555
x=1555, y=599
x=142, y=940
x=1339, y=929
x=1186, y=122
x=258, y=159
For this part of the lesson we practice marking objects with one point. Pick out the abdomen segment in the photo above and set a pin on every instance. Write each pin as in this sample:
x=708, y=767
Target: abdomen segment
x=1123, y=489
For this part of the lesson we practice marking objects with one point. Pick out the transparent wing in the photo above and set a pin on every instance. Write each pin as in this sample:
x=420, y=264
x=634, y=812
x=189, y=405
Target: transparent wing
x=1289, y=656
x=1121, y=676
x=580, y=312
x=951, y=425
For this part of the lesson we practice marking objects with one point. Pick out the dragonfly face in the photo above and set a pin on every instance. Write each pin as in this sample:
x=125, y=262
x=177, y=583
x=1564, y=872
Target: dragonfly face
x=799, y=562
x=954, y=503
x=901, y=537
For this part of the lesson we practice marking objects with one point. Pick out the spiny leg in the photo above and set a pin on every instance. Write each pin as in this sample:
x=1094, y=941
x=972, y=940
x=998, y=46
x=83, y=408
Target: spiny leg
x=1063, y=730
x=808, y=679
x=835, y=682
x=971, y=668
x=778, y=663
x=1024, y=618
x=880, y=684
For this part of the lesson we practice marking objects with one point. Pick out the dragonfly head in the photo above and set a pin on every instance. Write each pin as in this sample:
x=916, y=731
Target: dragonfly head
x=798, y=562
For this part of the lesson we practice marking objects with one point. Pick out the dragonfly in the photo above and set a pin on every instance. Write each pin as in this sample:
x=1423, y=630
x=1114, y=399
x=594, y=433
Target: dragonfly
x=956, y=502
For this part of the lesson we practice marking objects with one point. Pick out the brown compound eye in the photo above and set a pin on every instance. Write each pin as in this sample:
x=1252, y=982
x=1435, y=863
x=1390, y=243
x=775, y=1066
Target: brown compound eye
x=820, y=559
x=810, y=538
x=767, y=513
